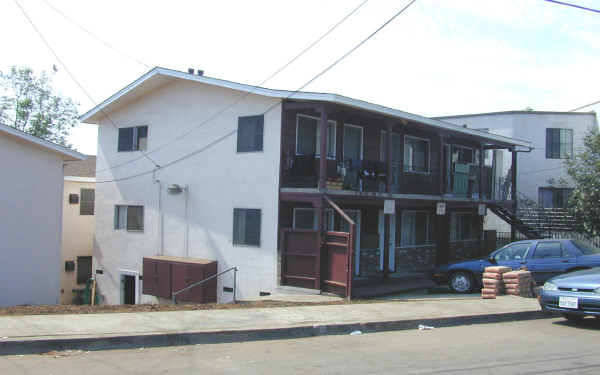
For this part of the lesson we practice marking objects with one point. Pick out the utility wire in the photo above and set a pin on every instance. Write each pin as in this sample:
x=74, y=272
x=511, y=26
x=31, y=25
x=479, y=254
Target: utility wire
x=69, y=72
x=585, y=106
x=105, y=43
x=241, y=97
x=573, y=5
x=227, y=135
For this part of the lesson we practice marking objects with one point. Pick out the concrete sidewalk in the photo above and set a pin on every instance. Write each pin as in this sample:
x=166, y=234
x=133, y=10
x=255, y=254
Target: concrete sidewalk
x=40, y=333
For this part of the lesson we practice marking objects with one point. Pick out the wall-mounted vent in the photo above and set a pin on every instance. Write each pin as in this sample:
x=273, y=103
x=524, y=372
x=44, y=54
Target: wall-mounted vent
x=200, y=72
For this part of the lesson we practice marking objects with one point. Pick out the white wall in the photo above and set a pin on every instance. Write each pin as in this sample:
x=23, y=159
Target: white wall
x=219, y=180
x=30, y=223
x=533, y=169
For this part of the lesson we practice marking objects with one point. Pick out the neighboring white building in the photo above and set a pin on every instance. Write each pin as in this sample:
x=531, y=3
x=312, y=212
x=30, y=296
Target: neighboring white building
x=30, y=217
x=541, y=173
x=209, y=184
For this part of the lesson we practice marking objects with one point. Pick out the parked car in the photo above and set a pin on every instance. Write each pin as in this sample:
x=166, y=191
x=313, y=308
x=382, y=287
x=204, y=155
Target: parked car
x=574, y=295
x=544, y=258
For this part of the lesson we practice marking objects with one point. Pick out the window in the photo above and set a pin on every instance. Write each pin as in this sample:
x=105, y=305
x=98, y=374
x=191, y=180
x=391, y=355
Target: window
x=250, y=133
x=416, y=154
x=308, y=136
x=513, y=252
x=87, y=202
x=129, y=217
x=462, y=155
x=246, y=226
x=559, y=143
x=73, y=198
x=133, y=139
x=306, y=218
x=548, y=250
x=464, y=227
x=549, y=197
x=416, y=228
x=84, y=269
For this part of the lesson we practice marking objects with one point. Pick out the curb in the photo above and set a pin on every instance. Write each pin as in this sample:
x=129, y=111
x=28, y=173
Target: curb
x=37, y=346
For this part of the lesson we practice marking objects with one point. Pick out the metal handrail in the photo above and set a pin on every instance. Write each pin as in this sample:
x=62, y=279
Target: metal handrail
x=235, y=269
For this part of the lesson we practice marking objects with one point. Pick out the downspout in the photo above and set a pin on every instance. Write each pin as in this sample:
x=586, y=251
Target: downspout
x=187, y=223
x=160, y=214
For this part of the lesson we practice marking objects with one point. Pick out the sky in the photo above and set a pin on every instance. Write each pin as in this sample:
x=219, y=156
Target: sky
x=438, y=58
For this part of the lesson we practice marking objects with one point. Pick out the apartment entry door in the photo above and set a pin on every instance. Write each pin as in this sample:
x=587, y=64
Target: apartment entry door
x=392, y=241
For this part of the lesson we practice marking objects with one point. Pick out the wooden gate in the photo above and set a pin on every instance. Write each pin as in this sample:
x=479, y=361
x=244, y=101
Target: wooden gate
x=336, y=263
x=300, y=258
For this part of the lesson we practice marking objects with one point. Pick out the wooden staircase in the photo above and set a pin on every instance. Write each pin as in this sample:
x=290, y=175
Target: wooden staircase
x=515, y=222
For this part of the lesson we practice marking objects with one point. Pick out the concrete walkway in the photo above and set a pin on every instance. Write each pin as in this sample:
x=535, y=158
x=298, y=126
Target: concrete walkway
x=35, y=333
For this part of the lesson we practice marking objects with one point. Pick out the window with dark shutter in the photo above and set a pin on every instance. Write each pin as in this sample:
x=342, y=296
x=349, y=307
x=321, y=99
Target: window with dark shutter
x=87, y=202
x=559, y=143
x=84, y=269
x=250, y=133
x=135, y=217
x=246, y=226
x=125, y=139
x=133, y=139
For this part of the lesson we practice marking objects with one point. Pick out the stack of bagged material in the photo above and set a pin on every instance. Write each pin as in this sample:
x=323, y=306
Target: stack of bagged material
x=493, y=284
x=519, y=283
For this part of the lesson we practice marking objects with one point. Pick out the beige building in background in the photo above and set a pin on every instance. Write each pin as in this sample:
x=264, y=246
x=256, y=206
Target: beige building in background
x=77, y=228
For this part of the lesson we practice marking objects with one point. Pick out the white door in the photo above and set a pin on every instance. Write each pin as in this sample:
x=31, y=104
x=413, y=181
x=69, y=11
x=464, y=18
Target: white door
x=392, y=241
x=354, y=215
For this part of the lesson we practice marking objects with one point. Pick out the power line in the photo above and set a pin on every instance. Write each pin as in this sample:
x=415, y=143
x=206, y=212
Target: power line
x=227, y=135
x=585, y=106
x=243, y=96
x=69, y=72
x=573, y=5
x=106, y=44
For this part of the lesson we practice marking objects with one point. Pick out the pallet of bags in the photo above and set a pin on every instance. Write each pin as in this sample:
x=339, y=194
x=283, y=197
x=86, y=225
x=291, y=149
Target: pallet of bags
x=519, y=283
x=493, y=284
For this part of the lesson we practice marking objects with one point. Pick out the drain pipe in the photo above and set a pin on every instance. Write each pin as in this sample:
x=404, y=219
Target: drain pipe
x=160, y=214
x=187, y=222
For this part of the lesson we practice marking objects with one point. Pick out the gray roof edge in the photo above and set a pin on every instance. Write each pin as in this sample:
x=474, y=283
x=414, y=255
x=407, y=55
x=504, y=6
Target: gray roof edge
x=42, y=142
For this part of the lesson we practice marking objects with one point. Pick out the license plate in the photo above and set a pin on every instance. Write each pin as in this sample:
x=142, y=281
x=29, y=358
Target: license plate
x=568, y=302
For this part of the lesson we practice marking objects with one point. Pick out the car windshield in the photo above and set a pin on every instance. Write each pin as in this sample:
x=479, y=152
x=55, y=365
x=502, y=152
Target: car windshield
x=585, y=248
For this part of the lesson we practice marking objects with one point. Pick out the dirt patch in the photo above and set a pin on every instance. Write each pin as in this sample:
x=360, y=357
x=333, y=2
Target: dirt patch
x=86, y=309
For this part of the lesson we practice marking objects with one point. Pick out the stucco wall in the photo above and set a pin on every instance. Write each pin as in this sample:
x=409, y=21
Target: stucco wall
x=219, y=180
x=77, y=237
x=30, y=223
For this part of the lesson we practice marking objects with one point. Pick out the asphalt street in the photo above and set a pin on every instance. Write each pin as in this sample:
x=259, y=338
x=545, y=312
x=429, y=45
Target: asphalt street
x=544, y=346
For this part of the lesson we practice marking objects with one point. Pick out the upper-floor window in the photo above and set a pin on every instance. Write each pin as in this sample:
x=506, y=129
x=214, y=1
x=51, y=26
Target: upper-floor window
x=246, y=226
x=549, y=197
x=250, y=133
x=559, y=143
x=86, y=207
x=308, y=136
x=133, y=139
x=416, y=154
x=129, y=217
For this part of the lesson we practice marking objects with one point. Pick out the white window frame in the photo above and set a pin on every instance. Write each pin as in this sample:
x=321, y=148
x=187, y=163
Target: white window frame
x=453, y=217
x=136, y=274
x=429, y=242
x=404, y=162
x=318, y=135
x=315, y=221
x=362, y=140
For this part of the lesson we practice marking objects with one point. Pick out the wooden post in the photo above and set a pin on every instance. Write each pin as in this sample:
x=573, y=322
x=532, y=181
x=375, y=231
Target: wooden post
x=93, y=291
x=388, y=155
x=321, y=240
x=323, y=149
x=441, y=173
x=481, y=164
x=386, y=246
x=513, y=231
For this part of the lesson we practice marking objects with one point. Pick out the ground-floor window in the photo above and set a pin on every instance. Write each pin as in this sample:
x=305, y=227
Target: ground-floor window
x=246, y=226
x=306, y=218
x=464, y=226
x=415, y=228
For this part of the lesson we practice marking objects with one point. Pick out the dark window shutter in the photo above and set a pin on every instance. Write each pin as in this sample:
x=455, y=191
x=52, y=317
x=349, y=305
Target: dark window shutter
x=259, y=125
x=250, y=133
x=87, y=202
x=253, y=227
x=135, y=218
x=141, y=140
x=237, y=237
x=548, y=143
x=125, y=142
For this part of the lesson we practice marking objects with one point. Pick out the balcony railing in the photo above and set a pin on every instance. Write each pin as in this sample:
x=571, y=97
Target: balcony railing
x=408, y=179
x=363, y=175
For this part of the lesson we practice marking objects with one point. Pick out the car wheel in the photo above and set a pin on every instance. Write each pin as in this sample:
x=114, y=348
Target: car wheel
x=573, y=318
x=461, y=282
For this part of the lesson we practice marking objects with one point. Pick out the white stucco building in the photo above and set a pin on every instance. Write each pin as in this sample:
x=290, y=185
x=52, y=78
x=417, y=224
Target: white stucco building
x=30, y=217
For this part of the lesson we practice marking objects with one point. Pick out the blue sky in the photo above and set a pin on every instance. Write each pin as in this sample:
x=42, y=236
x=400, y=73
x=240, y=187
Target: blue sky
x=439, y=58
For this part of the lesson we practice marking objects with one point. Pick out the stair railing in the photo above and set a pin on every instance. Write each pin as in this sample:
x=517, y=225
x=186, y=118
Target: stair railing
x=234, y=269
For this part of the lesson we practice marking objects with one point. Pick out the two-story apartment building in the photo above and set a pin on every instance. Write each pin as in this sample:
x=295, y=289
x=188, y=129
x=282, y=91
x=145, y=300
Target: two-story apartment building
x=307, y=190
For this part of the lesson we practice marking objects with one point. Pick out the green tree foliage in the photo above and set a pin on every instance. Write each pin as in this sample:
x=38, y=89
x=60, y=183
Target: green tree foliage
x=30, y=104
x=584, y=169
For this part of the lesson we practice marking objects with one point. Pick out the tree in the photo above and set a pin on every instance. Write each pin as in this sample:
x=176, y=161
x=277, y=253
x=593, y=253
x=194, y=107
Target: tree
x=30, y=104
x=584, y=169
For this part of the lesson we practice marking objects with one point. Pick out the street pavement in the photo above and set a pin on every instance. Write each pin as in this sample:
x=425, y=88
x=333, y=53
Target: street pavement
x=542, y=346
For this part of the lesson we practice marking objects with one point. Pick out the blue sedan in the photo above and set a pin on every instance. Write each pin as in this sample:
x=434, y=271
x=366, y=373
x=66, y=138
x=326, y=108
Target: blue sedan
x=574, y=295
x=544, y=258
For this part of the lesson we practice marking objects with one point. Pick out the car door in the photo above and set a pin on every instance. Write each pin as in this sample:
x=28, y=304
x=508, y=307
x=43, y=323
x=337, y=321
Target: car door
x=513, y=255
x=550, y=258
